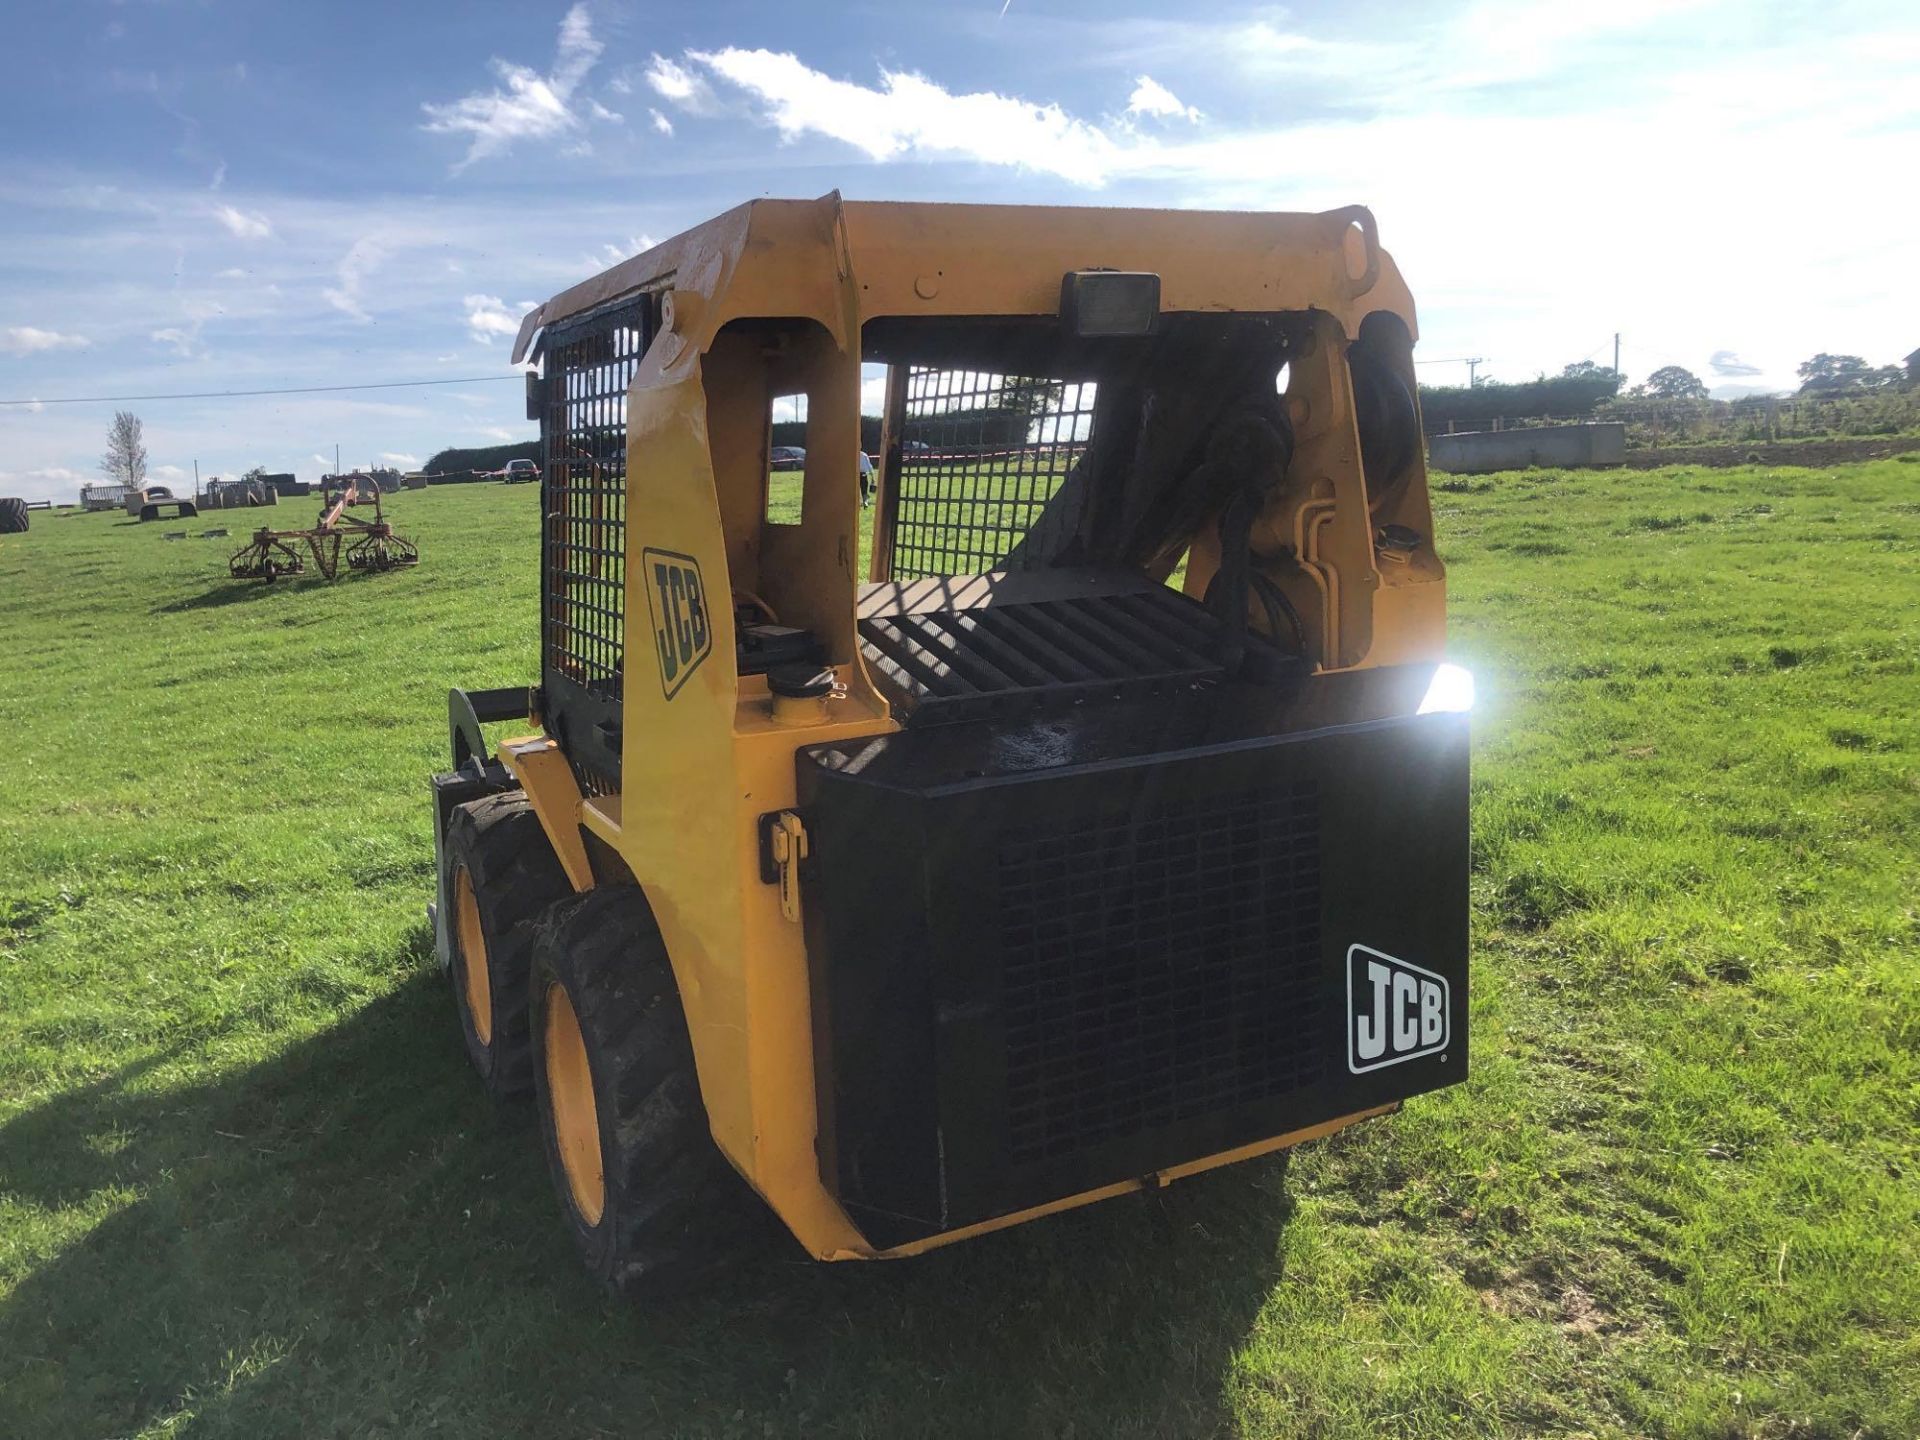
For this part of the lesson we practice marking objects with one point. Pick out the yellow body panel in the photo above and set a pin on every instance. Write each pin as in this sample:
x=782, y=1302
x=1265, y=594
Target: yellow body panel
x=542, y=770
x=704, y=754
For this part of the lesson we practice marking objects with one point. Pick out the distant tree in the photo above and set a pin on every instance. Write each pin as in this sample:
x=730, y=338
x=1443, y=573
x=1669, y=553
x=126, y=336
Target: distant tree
x=1029, y=396
x=1575, y=391
x=1587, y=370
x=1826, y=374
x=487, y=457
x=258, y=472
x=1676, y=382
x=125, y=462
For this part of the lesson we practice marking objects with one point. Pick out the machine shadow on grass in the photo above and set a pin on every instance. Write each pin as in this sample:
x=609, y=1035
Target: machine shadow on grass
x=349, y=1238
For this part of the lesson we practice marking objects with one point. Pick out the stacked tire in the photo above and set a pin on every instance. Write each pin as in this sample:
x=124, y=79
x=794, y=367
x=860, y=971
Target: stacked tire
x=13, y=515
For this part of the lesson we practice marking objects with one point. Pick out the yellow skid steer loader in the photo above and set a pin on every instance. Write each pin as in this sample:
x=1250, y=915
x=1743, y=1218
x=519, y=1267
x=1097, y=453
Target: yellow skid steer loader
x=1093, y=815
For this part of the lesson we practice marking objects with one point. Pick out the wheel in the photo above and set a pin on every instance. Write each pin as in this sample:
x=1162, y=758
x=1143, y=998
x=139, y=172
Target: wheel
x=1388, y=422
x=653, y=1205
x=502, y=874
x=13, y=516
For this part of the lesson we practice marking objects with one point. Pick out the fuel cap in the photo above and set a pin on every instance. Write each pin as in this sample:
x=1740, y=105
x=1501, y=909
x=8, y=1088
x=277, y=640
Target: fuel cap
x=800, y=681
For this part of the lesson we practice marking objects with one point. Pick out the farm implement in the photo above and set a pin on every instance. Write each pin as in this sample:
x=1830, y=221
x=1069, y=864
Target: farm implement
x=368, y=544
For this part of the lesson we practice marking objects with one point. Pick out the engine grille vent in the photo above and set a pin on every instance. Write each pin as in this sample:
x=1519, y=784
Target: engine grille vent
x=1159, y=967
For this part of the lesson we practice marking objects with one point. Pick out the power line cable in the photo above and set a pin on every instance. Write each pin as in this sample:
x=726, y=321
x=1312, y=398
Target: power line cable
x=242, y=394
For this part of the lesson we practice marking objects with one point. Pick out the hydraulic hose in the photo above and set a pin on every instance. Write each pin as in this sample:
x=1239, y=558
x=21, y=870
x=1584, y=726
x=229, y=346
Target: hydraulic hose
x=1247, y=458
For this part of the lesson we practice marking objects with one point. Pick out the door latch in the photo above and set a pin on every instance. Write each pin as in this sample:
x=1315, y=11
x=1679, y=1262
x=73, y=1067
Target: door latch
x=783, y=845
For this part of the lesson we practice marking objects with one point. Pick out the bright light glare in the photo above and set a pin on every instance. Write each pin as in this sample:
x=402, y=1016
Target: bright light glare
x=1450, y=693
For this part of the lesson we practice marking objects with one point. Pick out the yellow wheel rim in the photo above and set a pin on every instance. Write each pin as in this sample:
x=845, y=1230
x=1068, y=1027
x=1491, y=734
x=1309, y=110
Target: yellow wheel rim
x=475, y=978
x=576, y=1122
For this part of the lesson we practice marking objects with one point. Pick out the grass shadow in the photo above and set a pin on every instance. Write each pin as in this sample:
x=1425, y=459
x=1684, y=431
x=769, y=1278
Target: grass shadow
x=347, y=1238
x=227, y=591
x=230, y=591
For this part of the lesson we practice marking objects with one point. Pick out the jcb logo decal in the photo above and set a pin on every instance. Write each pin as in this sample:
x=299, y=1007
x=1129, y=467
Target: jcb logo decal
x=1395, y=1011
x=677, y=604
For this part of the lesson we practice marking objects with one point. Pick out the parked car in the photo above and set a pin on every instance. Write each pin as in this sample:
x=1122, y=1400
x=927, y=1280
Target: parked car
x=519, y=472
x=786, y=457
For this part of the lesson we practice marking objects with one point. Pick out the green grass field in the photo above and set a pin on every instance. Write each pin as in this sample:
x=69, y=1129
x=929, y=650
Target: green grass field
x=247, y=1186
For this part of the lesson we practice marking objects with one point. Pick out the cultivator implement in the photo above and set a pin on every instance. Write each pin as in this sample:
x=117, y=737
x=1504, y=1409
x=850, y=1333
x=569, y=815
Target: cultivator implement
x=365, y=544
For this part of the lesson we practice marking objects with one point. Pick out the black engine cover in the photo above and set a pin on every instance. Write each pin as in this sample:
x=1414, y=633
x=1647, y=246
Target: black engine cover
x=1050, y=957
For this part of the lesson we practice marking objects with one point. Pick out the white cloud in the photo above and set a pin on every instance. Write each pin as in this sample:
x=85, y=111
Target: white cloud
x=27, y=339
x=910, y=115
x=1829, y=108
x=48, y=482
x=401, y=459
x=500, y=433
x=489, y=318
x=601, y=112
x=232, y=273
x=361, y=260
x=241, y=224
x=180, y=340
x=168, y=472
x=685, y=88
x=610, y=255
x=1150, y=97
x=661, y=123
x=1725, y=362
x=532, y=106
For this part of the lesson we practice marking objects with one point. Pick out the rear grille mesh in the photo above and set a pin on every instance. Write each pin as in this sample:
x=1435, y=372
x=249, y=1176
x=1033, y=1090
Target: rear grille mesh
x=1160, y=967
x=983, y=456
x=584, y=503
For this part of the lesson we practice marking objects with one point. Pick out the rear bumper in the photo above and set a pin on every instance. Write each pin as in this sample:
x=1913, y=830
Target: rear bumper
x=1051, y=959
x=1126, y=1187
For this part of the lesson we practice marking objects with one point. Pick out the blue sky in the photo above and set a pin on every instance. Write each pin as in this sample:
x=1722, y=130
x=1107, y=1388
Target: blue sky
x=207, y=195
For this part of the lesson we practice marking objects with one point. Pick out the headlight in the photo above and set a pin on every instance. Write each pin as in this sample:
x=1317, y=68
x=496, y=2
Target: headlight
x=1449, y=693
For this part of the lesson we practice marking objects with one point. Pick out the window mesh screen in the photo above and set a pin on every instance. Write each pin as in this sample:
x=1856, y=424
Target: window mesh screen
x=585, y=500
x=981, y=456
x=1159, y=967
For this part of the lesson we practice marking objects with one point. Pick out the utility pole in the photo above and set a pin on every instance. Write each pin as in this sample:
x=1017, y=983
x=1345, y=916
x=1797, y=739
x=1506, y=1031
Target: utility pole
x=1473, y=370
x=336, y=460
x=1616, y=352
x=196, y=480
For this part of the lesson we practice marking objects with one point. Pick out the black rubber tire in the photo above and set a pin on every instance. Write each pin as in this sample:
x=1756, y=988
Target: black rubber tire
x=13, y=516
x=1388, y=421
x=516, y=878
x=674, y=1211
